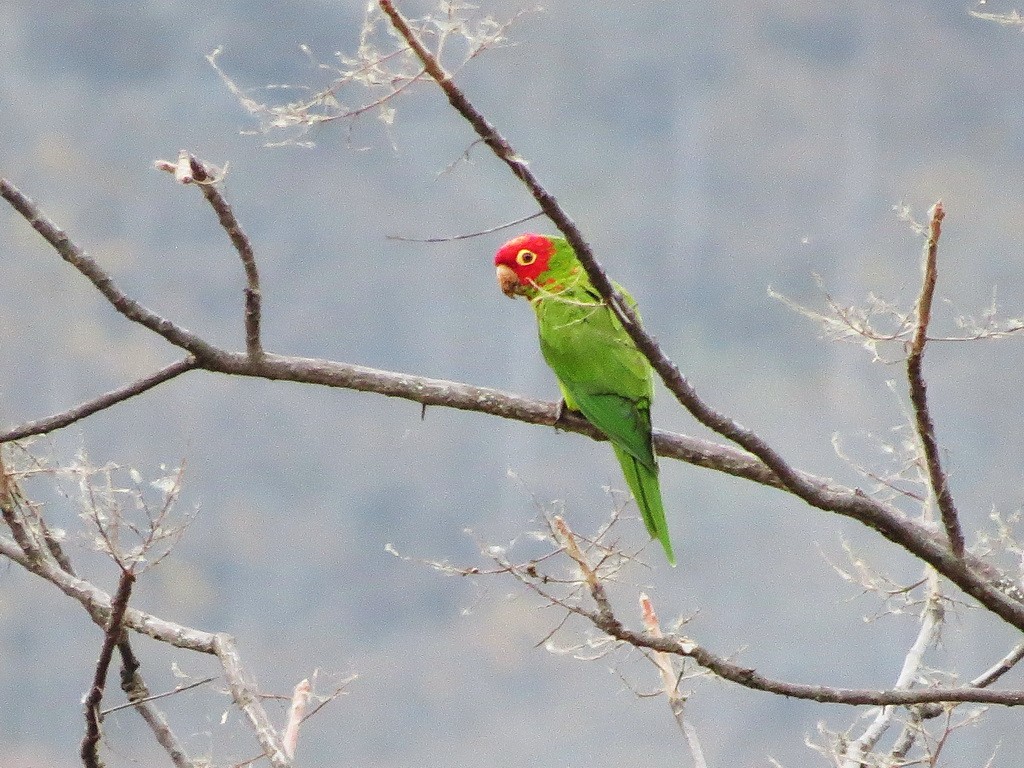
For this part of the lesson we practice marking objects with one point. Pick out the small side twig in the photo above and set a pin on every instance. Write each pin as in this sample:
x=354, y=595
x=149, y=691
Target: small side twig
x=189, y=169
x=670, y=684
x=1000, y=668
x=89, y=751
x=468, y=235
x=937, y=477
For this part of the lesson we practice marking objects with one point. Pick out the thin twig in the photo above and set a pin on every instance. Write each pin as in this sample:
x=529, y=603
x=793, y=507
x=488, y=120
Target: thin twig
x=89, y=751
x=468, y=235
x=208, y=184
x=1000, y=668
x=328, y=699
x=937, y=478
x=113, y=397
x=149, y=697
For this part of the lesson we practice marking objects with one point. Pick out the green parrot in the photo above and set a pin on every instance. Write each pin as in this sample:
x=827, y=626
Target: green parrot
x=600, y=371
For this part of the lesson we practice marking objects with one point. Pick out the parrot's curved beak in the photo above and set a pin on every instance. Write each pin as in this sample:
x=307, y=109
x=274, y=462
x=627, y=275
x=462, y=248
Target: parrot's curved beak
x=508, y=281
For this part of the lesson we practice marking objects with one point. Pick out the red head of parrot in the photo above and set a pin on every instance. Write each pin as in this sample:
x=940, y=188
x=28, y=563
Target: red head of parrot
x=520, y=261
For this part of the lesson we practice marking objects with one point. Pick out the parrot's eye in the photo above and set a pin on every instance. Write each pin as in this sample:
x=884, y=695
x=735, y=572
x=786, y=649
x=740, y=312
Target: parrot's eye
x=525, y=257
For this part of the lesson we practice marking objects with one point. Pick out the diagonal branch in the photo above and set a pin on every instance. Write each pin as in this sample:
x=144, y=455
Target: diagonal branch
x=243, y=691
x=1000, y=668
x=80, y=260
x=938, y=480
x=81, y=411
x=139, y=698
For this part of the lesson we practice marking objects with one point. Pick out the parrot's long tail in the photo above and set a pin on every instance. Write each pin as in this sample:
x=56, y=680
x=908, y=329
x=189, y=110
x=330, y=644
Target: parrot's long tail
x=643, y=482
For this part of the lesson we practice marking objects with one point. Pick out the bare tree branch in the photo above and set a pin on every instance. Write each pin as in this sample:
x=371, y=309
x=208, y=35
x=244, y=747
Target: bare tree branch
x=113, y=397
x=938, y=479
x=131, y=679
x=85, y=264
x=36, y=549
x=99, y=605
x=89, y=751
x=931, y=624
x=243, y=691
x=206, y=178
x=1000, y=668
x=604, y=618
x=139, y=698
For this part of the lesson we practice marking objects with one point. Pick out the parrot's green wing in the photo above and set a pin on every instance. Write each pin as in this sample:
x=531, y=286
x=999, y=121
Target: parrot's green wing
x=603, y=375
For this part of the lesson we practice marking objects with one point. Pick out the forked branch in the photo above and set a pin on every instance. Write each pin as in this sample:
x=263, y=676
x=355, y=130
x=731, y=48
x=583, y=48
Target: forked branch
x=89, y=751
x=938, y=480
x=604, y=618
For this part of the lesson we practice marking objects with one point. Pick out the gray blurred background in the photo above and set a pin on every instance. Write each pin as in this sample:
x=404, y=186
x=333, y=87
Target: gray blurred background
x=708, y=151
